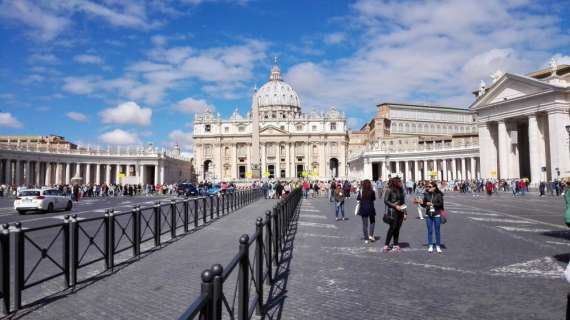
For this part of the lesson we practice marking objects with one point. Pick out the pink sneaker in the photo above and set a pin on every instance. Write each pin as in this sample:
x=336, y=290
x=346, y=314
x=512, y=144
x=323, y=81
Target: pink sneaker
x=386, y=249
x=396, y=248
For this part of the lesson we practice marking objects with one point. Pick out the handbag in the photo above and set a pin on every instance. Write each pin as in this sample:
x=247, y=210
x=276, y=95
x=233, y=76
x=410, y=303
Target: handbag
x=388, y=215
x=443, y=215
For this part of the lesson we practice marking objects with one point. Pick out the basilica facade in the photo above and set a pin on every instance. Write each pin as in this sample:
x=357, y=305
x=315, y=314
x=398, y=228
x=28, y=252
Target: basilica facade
x=275, y=139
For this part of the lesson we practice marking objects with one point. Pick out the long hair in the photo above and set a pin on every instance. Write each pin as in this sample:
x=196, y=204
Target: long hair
x=367, y=191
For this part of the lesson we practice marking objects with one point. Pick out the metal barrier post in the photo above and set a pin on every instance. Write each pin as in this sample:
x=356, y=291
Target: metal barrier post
x=259, y=266
x=268, y=245
x=106, y=239
x=157, y=223
x=217, y=293
x=275, y=236
x=211, y=207
x=208, y=288
x=5, y=243
x=243, y=278
x=74, y=249
x=204, y=209
x=19, y=267
x=186, y=210
x=111, y=242
x=173, y=219
x=218, y=205
x=136, y=216
x=195, y=212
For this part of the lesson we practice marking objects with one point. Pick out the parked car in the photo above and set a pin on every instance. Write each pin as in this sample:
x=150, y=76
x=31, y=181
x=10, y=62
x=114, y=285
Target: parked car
x=47, y=200
x=187, y=189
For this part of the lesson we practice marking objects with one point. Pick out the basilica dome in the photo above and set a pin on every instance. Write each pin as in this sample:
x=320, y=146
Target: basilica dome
x=277, y=95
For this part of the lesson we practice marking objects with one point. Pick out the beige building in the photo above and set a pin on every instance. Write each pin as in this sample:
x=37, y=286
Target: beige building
x=275, y=139
x=523, y=122
x=417, y=142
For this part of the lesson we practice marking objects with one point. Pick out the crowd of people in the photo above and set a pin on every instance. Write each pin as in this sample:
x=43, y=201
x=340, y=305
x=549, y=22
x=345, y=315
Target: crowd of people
x=78, y=191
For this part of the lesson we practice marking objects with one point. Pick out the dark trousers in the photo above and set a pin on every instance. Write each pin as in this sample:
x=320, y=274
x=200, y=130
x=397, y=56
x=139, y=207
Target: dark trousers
x=394, y=230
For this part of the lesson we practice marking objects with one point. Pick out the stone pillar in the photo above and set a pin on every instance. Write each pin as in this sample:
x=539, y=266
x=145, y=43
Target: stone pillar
x=558, y=137
x=425, y=175
x=504, y=150
x=416, y=171
x=367, y=169
x=534, y=147
x=473, y=168
x=141, y=174
x=156, y=173
x=444, y=168
x=18, y=172
x=107, y=174
x=463, y=171
x=488, y=151
x=48, y=174
x=38, y=174
x=58, y=173
x=98, y=173
x=454, y=169
x=436, y=169
x=162, y=174
x=307, y=160
x=88, y=173
x=407, y=175
x=67, y=173
x=263, y=159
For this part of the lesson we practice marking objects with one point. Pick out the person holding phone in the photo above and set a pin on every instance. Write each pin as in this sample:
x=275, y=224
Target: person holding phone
x=395, y=201
x=433, y=203
x=339, y=203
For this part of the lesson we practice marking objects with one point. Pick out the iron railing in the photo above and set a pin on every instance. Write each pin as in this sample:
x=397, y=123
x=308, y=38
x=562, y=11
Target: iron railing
x=55, y=257
x=240, y=294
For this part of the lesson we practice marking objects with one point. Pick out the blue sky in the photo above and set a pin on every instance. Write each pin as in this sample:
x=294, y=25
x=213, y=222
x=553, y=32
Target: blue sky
x=133, y=71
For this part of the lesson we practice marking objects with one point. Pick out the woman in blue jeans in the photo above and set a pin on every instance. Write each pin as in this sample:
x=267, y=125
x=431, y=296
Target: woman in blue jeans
x=433, y=203
x=339, y=203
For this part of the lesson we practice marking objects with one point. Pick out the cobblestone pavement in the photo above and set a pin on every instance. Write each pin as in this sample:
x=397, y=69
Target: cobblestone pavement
x=163, y=283
x=503, y=259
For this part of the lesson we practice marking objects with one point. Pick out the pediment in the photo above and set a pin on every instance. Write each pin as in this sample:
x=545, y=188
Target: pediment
x=272, y=130
x=510, y=87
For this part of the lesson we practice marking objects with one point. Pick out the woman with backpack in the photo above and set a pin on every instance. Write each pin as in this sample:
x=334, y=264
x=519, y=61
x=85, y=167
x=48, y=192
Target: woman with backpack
x=366, y=198
x=433, y=203
x=395, y=214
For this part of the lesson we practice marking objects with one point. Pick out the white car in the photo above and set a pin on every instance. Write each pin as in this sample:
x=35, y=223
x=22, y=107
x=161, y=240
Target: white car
x=46, y=200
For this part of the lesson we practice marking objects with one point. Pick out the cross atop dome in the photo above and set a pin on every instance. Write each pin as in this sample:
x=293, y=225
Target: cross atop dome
x=275, y=71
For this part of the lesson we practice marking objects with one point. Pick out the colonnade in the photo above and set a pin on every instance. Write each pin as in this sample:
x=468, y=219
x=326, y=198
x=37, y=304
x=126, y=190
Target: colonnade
x=47, y=173
x=461, y=168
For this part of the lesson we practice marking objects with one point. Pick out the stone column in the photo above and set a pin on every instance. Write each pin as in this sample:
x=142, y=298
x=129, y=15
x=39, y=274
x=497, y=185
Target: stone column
x=98, y=173
x=444, y=167
x=162, y=174
x=58, y=173
x=38, y=174
x=156, y=173
x=504, y=150
x=488, y=151
x=416, y=171
x=436, y=169
x=263, y=159
x=88, y=173
x=454, y=169
x=307, y=160
x=67, y=173
x=473, y=168
x=407, y=175
x=141, y=174
x=463, y=171
x=558, y=137
x=367, y=169
x=425, y=175
x=277, y=161
x=48, y=174
x=28, y=177
x=107, y=174
x=18, y=175
x=533, y=147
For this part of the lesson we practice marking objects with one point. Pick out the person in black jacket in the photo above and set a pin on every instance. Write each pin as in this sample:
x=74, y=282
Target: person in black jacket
x=366, y=198
x=395, y=201
x=433, y=202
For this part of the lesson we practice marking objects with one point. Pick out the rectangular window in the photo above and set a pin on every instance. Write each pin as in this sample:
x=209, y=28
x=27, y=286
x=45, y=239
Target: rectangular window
x=333, y=126
x=314, y=128
x=208, y=128
x=227, y=129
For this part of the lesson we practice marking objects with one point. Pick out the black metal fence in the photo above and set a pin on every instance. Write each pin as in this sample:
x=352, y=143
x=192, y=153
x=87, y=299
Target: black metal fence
x=55, y=257
x=221, y=287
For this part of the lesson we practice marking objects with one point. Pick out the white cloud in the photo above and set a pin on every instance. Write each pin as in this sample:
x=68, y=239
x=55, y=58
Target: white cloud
x=158, y=40
x=8, y=120
x=127, y=113
x=119, y=137
x=191, y=105
x=45, y=25
x=428, y=51
x=46, y=58
x=79, y=85
x=88, y=59
x=77, y=116
x=182, y=138
x=335, y=38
